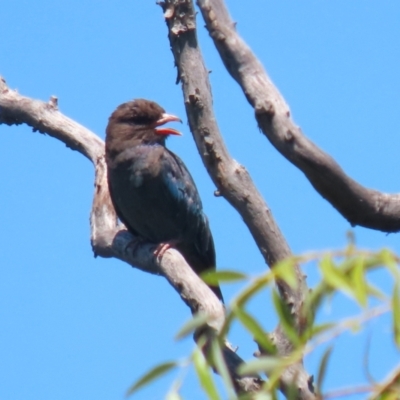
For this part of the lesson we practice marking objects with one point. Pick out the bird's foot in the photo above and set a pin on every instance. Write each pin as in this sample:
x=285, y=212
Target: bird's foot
x=162, y=248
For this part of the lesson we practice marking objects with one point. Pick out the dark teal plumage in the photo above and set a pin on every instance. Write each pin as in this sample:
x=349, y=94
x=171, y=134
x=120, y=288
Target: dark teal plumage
x=151, y=189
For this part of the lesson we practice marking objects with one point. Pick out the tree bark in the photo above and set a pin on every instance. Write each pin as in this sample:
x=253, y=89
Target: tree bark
x=359, y=205
x=232, y=179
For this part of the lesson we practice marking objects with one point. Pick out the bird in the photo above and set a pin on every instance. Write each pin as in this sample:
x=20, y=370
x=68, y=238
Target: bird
x=151, y=189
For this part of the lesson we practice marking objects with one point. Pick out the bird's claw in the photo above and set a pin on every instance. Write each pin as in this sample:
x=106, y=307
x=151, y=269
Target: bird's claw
x=161, y=249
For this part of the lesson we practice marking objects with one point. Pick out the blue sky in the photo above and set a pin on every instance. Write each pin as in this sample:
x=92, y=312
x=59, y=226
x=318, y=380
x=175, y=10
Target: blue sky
x=73, y=326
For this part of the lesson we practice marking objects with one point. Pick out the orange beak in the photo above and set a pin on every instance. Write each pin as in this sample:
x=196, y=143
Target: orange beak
x=163, y=120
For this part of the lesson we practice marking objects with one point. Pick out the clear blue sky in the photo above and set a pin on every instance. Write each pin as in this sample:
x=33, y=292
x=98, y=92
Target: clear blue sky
x=75, y=327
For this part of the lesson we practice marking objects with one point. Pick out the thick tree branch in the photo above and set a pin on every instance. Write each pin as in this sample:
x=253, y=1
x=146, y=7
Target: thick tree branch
x=45, y=118
x=107, y=238
x=359, y=205
x=232, y=179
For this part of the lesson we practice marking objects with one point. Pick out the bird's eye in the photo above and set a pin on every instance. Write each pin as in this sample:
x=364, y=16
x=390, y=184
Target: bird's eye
x=142, y=120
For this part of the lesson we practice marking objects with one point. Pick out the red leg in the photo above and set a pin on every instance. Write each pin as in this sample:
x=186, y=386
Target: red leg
x=161, y=249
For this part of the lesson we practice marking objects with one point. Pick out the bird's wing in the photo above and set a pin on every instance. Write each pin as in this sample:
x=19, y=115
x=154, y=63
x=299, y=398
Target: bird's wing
x=182, y=188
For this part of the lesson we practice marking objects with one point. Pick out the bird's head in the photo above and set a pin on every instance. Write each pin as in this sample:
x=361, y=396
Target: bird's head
x=139, y=121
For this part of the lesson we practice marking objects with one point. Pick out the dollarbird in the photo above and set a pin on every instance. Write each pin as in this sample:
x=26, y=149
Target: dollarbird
x=153, y=192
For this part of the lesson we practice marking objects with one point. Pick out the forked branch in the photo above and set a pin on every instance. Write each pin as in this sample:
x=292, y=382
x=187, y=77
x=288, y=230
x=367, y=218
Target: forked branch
x=107, y=237
x=232, y=179
x=359, y=205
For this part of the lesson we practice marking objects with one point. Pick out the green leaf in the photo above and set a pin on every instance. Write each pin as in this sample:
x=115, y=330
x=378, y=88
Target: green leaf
x=220, y=365
x=265, y=364
x=321, y=328
x=313, y=331
x=374, y=291
x=314, y=300
x=229, y=319
x=358, y=280
x=396, y=313
x=257, y=285
x=150, y=376
x=322, y=368
x=334, y=277
x=285, y=270
x=390, y=261
x=292, y=392
x=255, y=329
x=204, y=375
x=285, y=318
x=189, y=327
x=225, y=276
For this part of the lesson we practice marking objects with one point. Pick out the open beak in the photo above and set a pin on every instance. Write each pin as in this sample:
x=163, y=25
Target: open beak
x=163, y=120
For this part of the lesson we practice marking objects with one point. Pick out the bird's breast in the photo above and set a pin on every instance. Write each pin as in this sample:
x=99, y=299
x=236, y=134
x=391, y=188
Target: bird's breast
x=138, y=163
x=144, y=194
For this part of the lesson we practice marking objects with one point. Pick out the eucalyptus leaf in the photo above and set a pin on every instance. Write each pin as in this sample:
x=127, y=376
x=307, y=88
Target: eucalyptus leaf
x=286, y=320
x=189, y=327
x=334, y=277
x=358, y=280
x=265, y=364
x=256, y=286
x=223, y=276
x=220, y=365
x=285, y=270
x=323, y=367
x=154, y=373
x=396, y=314
x=204, y=375
x=255, y=329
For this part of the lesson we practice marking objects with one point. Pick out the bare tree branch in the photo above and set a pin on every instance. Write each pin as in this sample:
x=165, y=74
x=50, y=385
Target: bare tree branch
x=45, y=118
x=359, y=205
x=232, y=179
x=107, y=238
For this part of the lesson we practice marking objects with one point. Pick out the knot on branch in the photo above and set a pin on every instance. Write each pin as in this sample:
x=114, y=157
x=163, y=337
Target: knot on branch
x=264, y=109
x=212, y=24
x=53, y=103
x=179, y=15
x=3, y=85
x=195, y=100
x=217, y=193
x=169, y=10
x=289, y=136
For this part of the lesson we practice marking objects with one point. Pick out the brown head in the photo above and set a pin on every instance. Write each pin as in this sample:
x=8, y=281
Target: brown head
x=135, y=122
